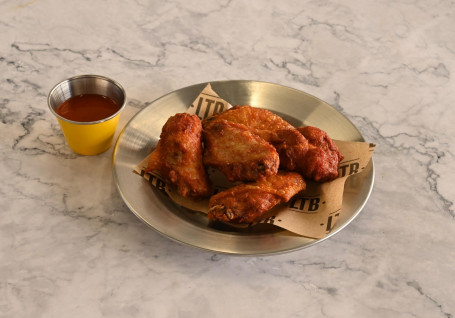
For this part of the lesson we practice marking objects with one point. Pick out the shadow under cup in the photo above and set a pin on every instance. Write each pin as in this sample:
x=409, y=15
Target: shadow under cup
x=94, y=137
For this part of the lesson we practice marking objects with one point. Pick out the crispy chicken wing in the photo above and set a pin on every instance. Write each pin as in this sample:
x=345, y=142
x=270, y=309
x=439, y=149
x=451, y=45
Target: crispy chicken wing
x=321, y=161
x=260, y=121
x=178, y=156
x=291, y=146
x=245, y=203
x=238, y=153
x=289, y=143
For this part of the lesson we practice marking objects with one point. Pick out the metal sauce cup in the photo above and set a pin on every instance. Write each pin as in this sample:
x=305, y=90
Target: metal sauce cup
x=88, y=138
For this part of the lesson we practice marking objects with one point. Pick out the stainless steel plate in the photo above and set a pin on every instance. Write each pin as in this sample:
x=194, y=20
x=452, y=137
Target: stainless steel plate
x=141, y=134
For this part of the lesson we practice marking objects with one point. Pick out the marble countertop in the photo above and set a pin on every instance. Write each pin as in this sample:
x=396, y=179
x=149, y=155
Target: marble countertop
x=69, y=246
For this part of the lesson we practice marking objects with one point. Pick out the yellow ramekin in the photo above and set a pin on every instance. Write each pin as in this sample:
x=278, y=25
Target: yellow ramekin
x=88, y=138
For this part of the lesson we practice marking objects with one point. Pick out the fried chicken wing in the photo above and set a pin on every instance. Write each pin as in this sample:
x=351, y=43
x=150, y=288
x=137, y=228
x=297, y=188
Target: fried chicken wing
x=289, y=143
x=291, y=146
x=178, y=156
x=245, y=203
x=321, y=161
x=260, y=121
x=238, y=153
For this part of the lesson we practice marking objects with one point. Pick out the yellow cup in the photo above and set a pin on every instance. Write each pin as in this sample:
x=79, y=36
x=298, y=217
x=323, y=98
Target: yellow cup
x=88, y=138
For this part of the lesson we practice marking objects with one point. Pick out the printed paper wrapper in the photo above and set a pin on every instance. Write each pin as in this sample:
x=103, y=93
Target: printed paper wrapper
x=311, y=213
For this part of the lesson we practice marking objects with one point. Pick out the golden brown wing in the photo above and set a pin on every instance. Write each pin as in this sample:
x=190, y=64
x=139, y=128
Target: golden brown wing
x=238, y=153
x=178, y=156
x=288, y=142
x=260, y=121
x=245, y=203
x=321, y=161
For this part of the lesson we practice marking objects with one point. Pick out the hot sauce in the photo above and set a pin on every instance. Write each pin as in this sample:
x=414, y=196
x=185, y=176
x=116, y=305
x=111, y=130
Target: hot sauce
x=87, y=107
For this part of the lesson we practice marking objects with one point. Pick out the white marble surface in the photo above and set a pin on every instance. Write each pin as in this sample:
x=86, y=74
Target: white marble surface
x=69, y=247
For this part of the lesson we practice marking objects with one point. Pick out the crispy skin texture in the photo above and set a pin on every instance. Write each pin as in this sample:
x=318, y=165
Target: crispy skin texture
x=321, y=161
x=291, y=146
x=260, y=121
x=288, y=142
x=178, y=156
x=245, y=203
x=238, y=153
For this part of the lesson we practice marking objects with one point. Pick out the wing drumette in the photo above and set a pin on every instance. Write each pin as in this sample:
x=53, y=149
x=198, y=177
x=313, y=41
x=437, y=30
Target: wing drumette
x=178, y=156
x=321, y=161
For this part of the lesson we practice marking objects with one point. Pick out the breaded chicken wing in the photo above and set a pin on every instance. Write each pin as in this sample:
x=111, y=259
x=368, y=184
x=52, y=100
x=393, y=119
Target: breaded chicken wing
x=321, y=161
x=178, y=156
x=245, y=203
x=289, y=143
x=238, y=153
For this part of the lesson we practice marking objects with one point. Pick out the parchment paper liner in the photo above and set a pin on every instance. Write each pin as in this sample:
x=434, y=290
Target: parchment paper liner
x=311, y=213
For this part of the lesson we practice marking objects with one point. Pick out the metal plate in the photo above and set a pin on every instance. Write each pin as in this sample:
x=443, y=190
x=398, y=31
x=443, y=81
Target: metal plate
x=142, y=132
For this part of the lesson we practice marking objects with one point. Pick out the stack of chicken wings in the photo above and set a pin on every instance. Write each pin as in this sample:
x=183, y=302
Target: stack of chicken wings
x=269, y=158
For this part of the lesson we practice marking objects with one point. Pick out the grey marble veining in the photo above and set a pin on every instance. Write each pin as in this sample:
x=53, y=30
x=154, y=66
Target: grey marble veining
x=69, y=247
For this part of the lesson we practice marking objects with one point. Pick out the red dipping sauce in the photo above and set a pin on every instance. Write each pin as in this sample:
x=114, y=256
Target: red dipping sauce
x=87, y=107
